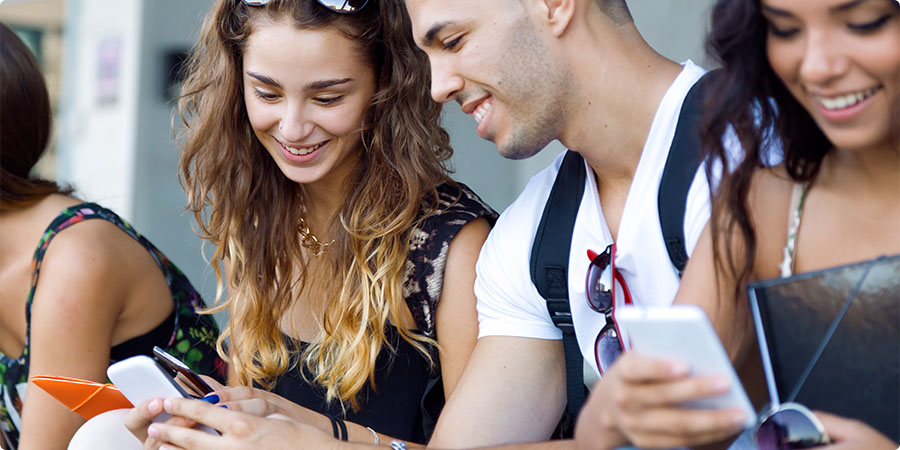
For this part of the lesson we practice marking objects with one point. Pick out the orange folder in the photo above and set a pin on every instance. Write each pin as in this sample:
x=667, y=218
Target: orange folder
x=87, y=398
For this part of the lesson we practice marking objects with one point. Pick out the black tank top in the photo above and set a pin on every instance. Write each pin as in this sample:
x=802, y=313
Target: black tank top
x=407, y=395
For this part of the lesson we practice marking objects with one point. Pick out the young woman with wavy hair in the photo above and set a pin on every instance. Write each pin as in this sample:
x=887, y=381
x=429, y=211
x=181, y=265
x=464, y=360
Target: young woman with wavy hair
x=820, y=79
x=314, y=161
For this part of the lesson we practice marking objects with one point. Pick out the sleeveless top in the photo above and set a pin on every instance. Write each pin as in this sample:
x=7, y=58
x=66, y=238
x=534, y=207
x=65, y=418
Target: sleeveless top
x=798, y=197
x=407, y=394
x=184, y=334
x=874, y=317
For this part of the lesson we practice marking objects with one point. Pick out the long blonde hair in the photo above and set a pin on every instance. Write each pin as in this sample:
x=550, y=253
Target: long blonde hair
x=242, y=201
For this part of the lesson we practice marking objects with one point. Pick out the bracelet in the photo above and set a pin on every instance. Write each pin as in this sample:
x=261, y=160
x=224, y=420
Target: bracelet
x=338, y=427
x=343, y=426
x=374, y=435
x=398, y=445
x=334, y=426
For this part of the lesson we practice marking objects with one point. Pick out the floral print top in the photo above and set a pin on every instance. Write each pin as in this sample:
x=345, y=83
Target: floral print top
x=798, y=198
x=185, y=334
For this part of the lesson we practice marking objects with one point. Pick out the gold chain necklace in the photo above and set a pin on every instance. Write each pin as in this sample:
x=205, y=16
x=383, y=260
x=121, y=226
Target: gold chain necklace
x=310, y=240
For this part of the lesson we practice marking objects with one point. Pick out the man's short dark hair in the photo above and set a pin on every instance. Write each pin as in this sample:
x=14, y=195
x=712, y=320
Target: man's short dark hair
x=616, y=10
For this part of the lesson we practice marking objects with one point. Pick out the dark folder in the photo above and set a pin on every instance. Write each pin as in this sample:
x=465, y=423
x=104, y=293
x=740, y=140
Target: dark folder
x=858, y=372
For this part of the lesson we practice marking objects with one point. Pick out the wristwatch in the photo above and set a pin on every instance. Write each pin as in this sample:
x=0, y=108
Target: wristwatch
x=398, y=445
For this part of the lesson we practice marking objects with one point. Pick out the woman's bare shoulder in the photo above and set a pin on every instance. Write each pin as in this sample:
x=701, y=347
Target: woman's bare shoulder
x=769, y=204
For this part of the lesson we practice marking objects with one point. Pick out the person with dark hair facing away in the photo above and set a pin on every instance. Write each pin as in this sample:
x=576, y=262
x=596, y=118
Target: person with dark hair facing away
x=75, y=294
x=822, y=78
x=315, y=161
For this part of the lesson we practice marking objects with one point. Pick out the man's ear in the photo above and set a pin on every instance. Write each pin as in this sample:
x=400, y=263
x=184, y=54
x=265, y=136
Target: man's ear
x=557, y=14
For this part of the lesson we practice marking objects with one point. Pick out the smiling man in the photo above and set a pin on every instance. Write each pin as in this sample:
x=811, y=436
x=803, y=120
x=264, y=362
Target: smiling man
x=529, y=72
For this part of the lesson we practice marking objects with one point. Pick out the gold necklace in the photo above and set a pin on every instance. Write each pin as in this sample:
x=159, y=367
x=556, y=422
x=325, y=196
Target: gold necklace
x=310, y=240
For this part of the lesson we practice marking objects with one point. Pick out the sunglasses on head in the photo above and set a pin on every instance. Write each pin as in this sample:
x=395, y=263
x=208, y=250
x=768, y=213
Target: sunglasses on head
x=340, y=6
x=600, y=287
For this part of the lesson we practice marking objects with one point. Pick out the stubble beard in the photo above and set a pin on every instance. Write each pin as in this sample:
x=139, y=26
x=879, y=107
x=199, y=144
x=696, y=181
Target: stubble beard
x=531, y=136
x=538, y=86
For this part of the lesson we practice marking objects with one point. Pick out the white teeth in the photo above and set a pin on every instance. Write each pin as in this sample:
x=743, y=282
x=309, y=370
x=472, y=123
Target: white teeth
x=303, y=151
x=479, y=112
x=844, y=101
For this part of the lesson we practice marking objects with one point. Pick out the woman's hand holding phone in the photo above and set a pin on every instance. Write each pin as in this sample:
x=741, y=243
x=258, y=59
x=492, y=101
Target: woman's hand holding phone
x=152, y=383
x=239, y=430
x=639, y=402
x=241, y=399
x=649, y=402
x=146, y=383
x=141, y=416
x=262, y=403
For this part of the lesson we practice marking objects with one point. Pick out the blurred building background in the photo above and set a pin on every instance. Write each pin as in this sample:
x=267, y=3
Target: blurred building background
x=110, y=65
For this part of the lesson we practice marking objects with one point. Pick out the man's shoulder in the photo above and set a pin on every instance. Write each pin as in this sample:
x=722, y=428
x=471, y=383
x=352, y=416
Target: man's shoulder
x=524, y=213
x=504, y=261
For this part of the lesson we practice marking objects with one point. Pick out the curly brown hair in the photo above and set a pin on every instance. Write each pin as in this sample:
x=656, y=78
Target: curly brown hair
x=242, y=201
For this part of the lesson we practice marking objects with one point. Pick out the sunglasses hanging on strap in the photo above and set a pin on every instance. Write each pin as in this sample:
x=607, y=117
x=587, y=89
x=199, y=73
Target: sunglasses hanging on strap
x=553, y=240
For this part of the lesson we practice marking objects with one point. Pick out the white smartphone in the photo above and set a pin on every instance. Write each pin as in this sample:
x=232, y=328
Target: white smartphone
x=684, y=333
x=140, y=378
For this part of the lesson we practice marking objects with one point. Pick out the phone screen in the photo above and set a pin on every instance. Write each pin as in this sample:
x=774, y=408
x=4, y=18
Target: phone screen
x=182, y=372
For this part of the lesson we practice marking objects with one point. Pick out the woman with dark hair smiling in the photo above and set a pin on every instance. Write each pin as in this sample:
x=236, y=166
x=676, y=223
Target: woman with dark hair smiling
x=315, y=162
x=100, y=293
x=822, y=78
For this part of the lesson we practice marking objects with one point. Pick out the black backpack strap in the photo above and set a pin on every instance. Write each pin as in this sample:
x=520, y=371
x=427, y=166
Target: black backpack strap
x=549, y=266
x=553, y=240
x=678, y=175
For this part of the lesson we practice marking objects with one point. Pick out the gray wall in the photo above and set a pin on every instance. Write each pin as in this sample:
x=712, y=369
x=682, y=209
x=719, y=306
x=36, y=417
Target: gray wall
x=675, y=28
x=168, y=26
x=121, y=153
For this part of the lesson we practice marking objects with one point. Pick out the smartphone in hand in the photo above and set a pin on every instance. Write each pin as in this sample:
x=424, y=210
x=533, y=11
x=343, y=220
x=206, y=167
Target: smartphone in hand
x=684, y=333
x=182, y=372
x=140, y=378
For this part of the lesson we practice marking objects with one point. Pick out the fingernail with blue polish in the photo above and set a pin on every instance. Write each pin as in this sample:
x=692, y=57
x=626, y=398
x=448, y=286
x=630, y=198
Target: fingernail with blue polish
x=211, y=398
x=223, y=406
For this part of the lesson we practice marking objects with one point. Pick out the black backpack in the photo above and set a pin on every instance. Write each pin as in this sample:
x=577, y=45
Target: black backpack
x=553, y=240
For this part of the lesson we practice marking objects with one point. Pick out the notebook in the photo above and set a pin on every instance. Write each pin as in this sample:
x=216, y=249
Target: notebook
x=857, y=374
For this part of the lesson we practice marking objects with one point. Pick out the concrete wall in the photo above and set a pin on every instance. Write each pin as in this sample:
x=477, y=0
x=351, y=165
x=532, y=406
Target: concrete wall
x=121, y=153
x=675, y=28
x=97, y=136
x=168, y=26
